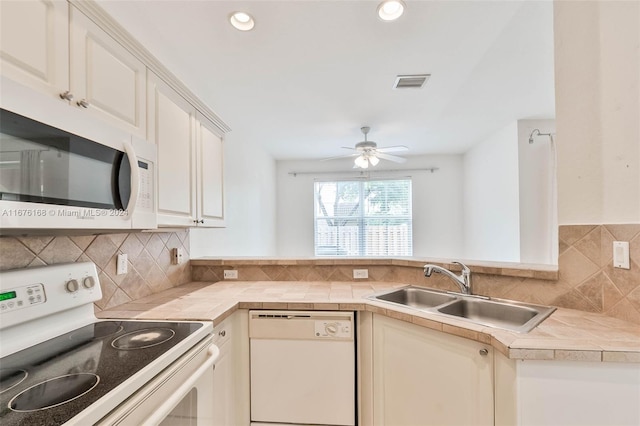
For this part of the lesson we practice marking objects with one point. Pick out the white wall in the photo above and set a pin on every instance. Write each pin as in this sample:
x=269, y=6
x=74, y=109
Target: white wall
x=437, y=204
x=538, y=206
x=250, y=206
x=597, y=106
x=491, y=198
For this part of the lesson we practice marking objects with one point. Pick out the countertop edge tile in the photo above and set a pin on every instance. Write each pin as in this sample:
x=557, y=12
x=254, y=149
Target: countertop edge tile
x=224, y=299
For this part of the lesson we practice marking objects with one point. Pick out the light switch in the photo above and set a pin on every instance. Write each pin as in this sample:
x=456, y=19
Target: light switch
x=621, y=254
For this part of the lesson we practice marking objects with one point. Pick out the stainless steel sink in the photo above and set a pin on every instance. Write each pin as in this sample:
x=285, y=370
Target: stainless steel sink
x=498, y=313
x=508, y=315
x=416, y=297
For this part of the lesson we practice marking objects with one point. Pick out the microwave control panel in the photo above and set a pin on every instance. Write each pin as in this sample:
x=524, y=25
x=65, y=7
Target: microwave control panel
x=145, y=194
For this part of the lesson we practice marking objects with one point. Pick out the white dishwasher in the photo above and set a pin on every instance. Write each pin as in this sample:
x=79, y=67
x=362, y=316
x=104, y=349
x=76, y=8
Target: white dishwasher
x=302, y=368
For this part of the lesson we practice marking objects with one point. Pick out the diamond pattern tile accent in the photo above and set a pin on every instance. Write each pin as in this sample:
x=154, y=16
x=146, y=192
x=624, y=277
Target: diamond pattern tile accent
x=149, y=272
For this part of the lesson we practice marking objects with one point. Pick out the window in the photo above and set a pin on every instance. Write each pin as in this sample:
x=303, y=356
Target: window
x=363, y=218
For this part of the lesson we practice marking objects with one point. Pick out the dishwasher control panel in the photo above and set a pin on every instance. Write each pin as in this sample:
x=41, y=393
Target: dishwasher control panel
x=333, y=329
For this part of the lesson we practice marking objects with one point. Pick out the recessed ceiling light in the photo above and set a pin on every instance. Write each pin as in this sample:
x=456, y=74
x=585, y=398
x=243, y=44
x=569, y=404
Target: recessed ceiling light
x=242, y=21
x=390, y=10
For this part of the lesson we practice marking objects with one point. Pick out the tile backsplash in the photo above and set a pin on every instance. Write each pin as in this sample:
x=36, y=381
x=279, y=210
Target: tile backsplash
x=586, y=279
x=149, y=267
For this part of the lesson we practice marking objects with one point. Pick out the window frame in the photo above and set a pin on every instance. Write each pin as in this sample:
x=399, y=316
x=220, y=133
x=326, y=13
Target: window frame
x=361, y=217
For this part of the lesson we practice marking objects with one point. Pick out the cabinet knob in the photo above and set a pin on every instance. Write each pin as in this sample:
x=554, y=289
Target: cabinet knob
x=222, y=333
x=67, y=96
x=483, y=352
x=83, y=103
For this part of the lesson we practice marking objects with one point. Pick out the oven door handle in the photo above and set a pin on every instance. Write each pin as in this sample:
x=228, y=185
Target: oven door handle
x=159, y=415
x=135, y=178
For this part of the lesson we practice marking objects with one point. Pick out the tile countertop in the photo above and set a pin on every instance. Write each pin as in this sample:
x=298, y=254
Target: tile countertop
x=566, y=335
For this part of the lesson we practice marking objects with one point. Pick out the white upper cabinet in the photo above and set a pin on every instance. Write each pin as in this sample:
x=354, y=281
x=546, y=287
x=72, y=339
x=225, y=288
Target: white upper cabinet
x=210, y=175
x=172, y=127
x=53, y=48
x=34, y=44
x=190, y=159
x=106, y=79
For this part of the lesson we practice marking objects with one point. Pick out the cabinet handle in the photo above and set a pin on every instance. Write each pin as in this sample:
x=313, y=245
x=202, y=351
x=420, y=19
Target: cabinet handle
x=198, y=221
x=483, y=352
x=223, y=333
x=202, y=221
x=67, y=96
x=83, y=103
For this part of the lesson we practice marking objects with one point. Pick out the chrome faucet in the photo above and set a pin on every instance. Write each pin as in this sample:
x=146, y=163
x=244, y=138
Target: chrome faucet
x=463, y=281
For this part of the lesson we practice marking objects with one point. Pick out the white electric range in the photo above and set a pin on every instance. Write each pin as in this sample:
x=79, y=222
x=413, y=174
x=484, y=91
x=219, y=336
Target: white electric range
x=60, y=365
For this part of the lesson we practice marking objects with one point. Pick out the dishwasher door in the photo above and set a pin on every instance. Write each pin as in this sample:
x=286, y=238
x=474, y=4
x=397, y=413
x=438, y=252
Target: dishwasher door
x=302, y=367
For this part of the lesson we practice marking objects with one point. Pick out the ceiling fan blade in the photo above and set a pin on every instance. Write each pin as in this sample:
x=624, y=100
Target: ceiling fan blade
x=396, y=148
x=349, y=148
x=393, y=158
x=340, y=156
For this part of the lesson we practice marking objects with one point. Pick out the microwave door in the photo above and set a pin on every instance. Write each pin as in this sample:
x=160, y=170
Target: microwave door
x=126, y=185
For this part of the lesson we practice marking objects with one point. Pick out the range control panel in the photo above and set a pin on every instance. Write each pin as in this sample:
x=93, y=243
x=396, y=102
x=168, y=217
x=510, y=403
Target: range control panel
x=333, y=329
x=21, y=297
x=30, y=293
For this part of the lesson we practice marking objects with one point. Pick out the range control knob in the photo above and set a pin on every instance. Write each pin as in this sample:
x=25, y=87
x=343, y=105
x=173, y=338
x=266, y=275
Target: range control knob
x=72, y=286
x=88, y=282
x=331, y=328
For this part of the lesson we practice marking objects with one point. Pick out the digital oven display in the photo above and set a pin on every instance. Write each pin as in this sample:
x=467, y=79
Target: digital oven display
x=7, y=296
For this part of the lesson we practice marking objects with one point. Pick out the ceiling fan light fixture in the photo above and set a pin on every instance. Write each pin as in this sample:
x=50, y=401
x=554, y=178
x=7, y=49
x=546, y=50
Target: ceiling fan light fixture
x=361, y=162
x=390, y=10
x=374, y=160
x=242, y=21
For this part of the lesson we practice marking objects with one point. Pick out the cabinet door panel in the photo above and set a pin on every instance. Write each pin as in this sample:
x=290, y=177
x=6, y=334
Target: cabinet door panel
x=211, y=185
x=425, y=377
x=107, y=76
x=34, y=44
x=171, y=127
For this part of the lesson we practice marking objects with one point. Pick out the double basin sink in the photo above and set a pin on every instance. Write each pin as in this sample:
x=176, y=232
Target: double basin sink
x=497, y=313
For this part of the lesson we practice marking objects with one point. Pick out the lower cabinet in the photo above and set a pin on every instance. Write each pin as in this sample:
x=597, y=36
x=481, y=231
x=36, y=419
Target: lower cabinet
x=231, y=374
x=425, y=377
x=564, y=393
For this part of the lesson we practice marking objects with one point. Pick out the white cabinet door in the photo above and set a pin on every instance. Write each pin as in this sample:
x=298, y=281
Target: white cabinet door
x=231, y=375
x=425, y=377
x=223, y=377
x=171, y=126
x=210, y=175
x=34, y=44
x=105, y=78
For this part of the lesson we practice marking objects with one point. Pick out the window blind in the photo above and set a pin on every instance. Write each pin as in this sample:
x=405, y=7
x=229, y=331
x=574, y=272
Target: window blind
x=363, y=218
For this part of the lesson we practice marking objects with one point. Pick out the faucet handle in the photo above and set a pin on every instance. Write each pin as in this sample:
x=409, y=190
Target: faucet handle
x=465, y=268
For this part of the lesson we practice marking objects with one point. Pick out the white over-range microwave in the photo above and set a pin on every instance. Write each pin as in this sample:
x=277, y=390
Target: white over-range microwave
x=60, y=169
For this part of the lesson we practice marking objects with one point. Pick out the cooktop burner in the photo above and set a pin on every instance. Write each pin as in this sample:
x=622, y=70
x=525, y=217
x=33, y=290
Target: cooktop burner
x=143, y=338
x=10, y=377
x=53, y=381
x=54, y=392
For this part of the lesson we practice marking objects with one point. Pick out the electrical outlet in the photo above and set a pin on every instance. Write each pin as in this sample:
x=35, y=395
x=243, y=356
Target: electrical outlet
x=360, y=273
x=121, y=266
x=177, y=255
x=621, y=254
x=230, y=274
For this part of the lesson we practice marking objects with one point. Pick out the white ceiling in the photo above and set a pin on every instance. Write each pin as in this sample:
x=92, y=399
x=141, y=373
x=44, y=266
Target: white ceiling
x=311, y=73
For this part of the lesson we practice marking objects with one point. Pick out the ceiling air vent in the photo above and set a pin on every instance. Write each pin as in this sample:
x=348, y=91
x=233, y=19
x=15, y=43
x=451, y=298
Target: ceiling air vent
x=415, y=81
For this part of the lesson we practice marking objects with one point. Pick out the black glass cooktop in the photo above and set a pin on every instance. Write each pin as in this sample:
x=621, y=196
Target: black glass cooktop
x=51, y=382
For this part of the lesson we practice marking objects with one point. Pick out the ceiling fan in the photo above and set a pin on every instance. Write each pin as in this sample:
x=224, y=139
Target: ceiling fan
x=367, y=152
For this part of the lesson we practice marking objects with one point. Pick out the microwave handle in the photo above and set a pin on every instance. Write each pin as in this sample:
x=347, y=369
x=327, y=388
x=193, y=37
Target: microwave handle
x=135, y=178
x=167, y=406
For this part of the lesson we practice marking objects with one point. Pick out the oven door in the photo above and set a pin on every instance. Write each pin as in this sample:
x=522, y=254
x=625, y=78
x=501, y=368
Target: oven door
x=179, y=396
